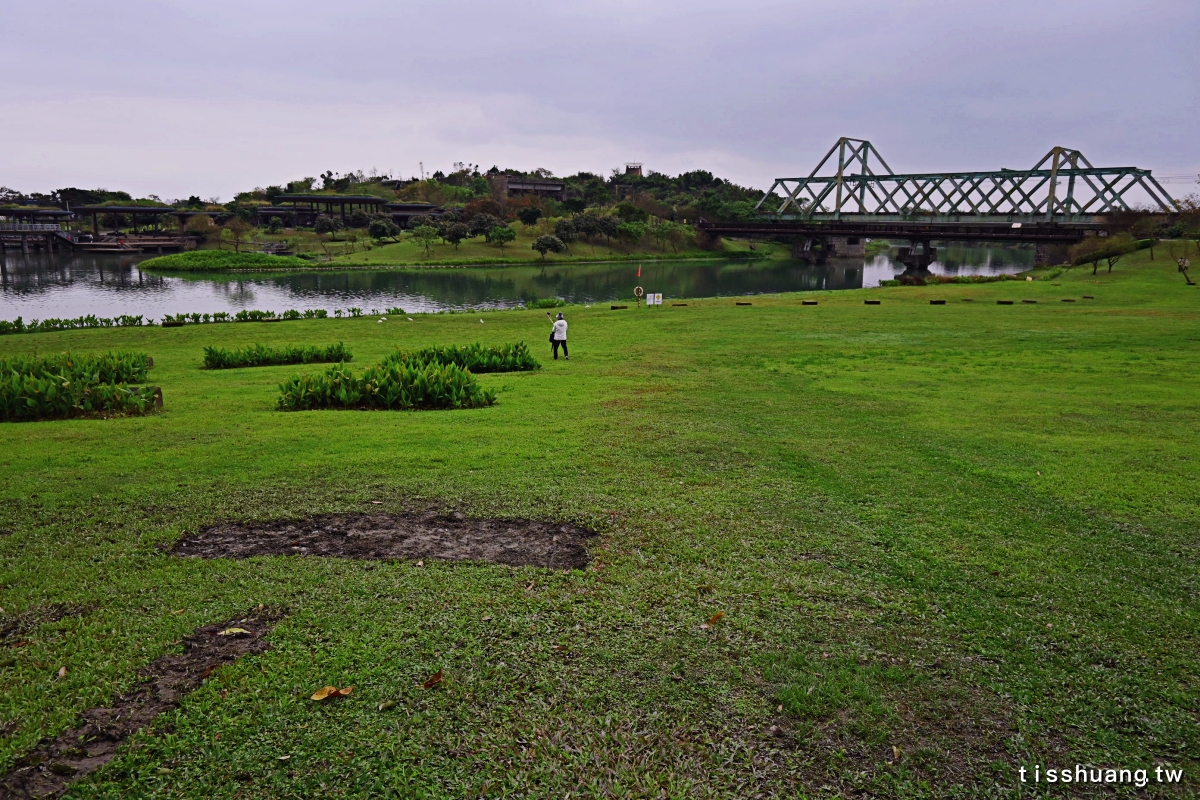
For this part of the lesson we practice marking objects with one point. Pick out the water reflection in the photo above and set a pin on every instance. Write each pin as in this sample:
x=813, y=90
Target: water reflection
x=39, y=285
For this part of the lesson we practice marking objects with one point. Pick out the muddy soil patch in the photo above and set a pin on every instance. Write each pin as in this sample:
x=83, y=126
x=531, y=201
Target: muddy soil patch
x=515, y=542
x=52, y=766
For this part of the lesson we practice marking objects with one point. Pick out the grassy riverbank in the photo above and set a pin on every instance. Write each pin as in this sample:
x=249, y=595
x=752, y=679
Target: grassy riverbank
x=947, y=541
x=353, y=250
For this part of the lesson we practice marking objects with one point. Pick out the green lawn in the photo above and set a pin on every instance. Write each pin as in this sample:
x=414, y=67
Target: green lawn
x=947, y=541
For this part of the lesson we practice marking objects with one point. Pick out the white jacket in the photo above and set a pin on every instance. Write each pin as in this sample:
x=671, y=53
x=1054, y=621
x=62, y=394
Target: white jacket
x=560, y=330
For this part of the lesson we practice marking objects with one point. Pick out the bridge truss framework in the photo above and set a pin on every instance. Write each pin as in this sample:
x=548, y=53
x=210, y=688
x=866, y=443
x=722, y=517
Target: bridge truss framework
x=1063, y=187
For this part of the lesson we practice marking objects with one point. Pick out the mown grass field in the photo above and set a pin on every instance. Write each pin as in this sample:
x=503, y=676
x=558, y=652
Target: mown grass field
x=947, y=541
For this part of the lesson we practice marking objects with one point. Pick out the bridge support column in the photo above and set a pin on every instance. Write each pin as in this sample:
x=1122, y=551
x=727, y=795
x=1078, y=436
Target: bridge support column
x=24, y=243
x=846, y=246
x=1041, y=255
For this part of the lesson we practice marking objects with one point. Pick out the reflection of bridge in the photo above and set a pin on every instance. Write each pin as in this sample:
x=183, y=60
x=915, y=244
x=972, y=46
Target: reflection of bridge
x=1059, y=201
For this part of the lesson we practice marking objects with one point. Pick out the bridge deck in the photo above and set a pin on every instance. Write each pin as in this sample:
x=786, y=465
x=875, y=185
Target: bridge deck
x=1048, y=233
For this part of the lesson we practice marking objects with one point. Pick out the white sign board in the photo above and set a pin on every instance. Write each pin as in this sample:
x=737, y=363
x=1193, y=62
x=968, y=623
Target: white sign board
x=654, y=299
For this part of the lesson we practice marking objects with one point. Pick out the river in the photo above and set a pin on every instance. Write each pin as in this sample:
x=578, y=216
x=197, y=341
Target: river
x=42, y=285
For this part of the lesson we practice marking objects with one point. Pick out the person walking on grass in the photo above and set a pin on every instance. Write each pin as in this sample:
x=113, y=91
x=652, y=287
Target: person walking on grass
x=558, y=336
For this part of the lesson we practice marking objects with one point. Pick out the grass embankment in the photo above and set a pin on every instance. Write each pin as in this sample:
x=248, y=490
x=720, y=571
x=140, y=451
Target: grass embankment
x=947, y=540
x=222, y=261
x=322, y=253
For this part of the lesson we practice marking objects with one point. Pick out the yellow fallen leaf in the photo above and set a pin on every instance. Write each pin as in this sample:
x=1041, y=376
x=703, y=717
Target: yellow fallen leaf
x=896, y=752
x=386, y=704
x=234, y=632
x=326, y=692
x=180, y=611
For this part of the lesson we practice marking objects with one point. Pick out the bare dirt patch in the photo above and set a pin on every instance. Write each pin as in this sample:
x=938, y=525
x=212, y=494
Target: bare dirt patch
x=52, y=766
x=456, y=537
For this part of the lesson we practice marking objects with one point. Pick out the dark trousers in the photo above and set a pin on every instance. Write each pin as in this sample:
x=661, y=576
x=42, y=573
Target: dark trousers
x=554, y=343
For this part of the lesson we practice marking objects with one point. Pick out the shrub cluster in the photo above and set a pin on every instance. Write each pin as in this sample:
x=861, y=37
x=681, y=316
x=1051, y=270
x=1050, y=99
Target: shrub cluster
x=54, y=324
x=474, y=357
x=246, y=315
x=62, y=386
x=394, y=385
x=262, y=356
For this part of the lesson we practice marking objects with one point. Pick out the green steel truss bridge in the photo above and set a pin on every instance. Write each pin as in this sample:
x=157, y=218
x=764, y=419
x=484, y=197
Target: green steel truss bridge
x=1063, y=188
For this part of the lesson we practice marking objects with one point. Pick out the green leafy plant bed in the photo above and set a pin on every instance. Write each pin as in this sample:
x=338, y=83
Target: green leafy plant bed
x=220, y=260
x=258, y=355
x=19, y=325
x=393, y=386
x=62, y=386
x=474, y=357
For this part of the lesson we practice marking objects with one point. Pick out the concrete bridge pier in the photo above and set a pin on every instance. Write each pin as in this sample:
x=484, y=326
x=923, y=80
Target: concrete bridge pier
x=918, y=255
x=1041, y=255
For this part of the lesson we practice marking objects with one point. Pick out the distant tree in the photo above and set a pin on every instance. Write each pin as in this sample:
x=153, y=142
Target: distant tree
x=1118, y=246
x=455, y=232
x=529, y=216
x=548, y=244
x=575, y=206
x=662, y=233
x=631, y=232
x=1095, y=249
x=236, y=231
x=425, y=236
x=358, y=219
x=587, y=225
x=564, y=229
x=1178, y=251
x=200, y=226
x=628, y=212
x=501, y=235
x=482, y=224
x=382, y=228
x=326, y=224
x=1147, y=228
x=274, y=225
x=607, y=227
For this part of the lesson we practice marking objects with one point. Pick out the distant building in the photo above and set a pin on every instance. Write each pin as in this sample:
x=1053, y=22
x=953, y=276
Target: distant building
x=633, y=170
x=506, y=186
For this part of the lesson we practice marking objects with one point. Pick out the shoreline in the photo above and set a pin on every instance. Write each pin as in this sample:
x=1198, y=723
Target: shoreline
x=461, y=264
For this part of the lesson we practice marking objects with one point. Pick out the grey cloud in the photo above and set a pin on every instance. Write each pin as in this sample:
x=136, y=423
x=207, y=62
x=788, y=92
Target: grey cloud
x=752, y=90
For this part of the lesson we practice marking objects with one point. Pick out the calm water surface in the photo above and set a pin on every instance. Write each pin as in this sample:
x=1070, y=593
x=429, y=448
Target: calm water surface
x=38, y=285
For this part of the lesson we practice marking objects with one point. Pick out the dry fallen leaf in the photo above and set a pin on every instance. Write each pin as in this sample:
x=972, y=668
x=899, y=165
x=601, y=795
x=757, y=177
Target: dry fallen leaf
x=487, y=618
x=386, y=704
x=326, y=692
x=62, y=673
x=376, y=502
x=558, y=648
x=234, y=632
x=433, y=681
x=713, y=620
x=896, y=752
x=420, y=563
x=209, y=670
x=284, y=758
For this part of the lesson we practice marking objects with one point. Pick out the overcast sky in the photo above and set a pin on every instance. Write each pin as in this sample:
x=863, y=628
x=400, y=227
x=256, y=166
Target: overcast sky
x=209, y=98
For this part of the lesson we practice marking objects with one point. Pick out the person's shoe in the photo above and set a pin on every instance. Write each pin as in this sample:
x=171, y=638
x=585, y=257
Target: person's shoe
x=568, y=358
